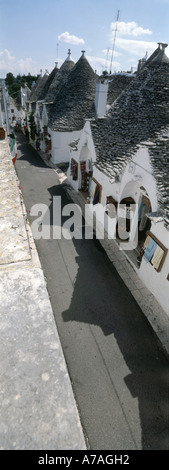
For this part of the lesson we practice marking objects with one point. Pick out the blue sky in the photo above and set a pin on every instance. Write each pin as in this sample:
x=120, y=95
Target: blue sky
x=35, y=34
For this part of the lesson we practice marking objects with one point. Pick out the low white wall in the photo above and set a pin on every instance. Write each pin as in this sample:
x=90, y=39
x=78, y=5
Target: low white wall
x=141, y=174
x=60, y=145
x=85, y=151
x=137, y=174
x=155, y=281
x=139, y=171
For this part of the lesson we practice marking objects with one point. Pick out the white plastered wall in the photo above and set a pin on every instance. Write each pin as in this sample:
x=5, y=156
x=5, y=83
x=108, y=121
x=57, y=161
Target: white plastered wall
x=138, y=174
x=85, y=152
x=60, y=144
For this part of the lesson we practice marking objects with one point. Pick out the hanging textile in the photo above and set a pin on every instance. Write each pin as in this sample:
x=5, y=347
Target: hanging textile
x=83, y=167
x=146, y=241
x=74, y=169
x=84, y=182
x=12, y=142
x=150, y=249
x=143, y=218
x=13, y=147
x=96, y=196
x=71, y=167
x=140, y=209
x=92, y=188
x=157, y=257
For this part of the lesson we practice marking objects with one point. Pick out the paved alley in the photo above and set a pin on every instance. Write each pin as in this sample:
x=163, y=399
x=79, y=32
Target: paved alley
x=118, y=372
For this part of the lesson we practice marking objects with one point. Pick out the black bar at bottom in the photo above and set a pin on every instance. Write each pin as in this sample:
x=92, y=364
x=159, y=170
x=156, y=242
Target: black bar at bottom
x=70, y=458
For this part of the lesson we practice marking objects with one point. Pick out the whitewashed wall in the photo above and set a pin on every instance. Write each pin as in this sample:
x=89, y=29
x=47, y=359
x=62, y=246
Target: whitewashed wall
x=138, y=174
x=85, y=152
x=139, y=171
x=155, y=281
x=60, y=145
x=18, y=113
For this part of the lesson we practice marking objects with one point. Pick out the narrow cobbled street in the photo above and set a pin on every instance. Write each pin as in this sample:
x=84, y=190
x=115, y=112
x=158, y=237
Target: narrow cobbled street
x=118, y=371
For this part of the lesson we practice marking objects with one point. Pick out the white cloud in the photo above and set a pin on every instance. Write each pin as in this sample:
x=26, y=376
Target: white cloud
x=139, y=48
x=71, y=39
x=108, y=53
x=127, y=43
x=129, y=29
x=9, y=63
x=99, y=64
x=167, y=52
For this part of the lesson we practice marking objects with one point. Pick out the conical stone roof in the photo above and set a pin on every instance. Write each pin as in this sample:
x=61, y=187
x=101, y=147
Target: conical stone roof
x=59, y=79
x=140, y=116
x=38, y=87
x=75, y=101
x=117, y=84
x=48, y=83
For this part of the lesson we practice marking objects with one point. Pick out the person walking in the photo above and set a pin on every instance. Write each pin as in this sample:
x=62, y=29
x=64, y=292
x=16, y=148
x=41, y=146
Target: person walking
x=27, y=135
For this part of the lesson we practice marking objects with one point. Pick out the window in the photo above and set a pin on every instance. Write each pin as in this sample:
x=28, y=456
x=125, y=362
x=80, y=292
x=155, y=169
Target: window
x=154, y=252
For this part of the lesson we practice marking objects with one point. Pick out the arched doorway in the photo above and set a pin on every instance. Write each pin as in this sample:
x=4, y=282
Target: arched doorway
x=144, y=223
x=123, y=226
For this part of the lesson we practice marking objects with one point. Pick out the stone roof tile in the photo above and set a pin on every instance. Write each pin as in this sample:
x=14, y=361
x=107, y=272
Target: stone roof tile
x=139, y=115
x=38, y=87
x=118, y=83
x=48, y=83
x=75, y=100
x=59, y=79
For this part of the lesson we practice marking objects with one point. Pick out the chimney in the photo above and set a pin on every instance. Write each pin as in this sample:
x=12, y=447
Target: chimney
x=101, y=98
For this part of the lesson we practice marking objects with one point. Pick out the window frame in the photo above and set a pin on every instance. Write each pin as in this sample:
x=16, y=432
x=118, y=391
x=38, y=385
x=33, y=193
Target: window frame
x=165, y=250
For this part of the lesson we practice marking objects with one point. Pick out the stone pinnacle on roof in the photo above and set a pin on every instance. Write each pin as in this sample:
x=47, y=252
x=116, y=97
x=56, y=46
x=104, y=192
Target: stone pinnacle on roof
x=158, y=55
x=69, y=58
x=162, y=45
